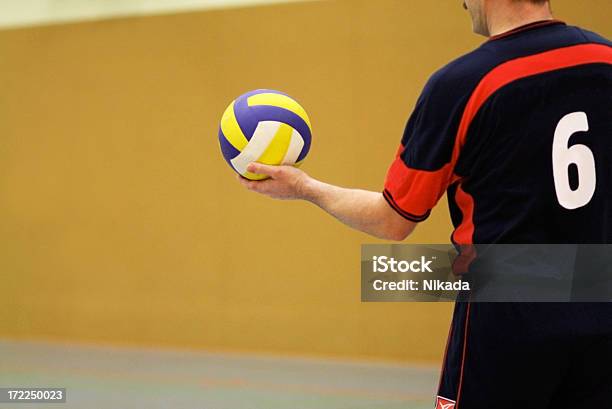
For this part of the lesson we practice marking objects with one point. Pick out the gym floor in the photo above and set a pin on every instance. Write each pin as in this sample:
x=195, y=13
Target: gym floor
x=111, y=377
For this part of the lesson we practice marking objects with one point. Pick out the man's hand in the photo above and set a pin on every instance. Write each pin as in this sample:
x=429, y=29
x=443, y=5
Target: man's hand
x=366, y=211
x=285, y=182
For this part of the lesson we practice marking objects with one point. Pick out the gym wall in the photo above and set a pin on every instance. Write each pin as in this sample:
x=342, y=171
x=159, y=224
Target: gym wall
x=120, y=222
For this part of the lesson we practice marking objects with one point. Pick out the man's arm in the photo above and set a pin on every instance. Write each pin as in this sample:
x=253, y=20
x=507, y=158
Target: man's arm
x=362, y=210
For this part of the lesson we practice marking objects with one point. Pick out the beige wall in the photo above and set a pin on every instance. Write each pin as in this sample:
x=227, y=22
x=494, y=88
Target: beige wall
x=120, y=222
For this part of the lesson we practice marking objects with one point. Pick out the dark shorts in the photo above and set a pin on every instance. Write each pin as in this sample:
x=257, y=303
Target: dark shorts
x=520, y=355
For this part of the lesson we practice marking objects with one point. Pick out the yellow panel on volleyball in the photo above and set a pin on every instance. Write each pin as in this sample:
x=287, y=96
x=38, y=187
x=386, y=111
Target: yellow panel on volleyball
x=231, y=129
x=281, y=101
x=254, y=176
x=277, y=149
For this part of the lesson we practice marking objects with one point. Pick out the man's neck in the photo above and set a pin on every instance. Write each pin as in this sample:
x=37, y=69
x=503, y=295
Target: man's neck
x=502, y=20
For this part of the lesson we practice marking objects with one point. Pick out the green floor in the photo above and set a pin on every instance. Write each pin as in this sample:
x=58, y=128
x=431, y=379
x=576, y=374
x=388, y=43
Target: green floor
x=100, y=378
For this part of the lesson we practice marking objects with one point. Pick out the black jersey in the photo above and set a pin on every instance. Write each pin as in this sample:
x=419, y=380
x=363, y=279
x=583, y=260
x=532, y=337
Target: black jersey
x=519, y=134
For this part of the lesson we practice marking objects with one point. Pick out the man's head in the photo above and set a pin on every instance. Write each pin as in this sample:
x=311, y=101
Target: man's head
x=484, y=12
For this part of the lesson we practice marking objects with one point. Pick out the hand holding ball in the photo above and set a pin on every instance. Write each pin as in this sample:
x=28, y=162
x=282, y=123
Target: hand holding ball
x=267, y=127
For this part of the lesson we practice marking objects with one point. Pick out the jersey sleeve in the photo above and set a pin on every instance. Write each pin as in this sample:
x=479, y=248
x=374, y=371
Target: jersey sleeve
x=424, y=164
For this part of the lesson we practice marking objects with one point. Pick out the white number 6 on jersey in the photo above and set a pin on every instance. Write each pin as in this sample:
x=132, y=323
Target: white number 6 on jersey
x=580, y=155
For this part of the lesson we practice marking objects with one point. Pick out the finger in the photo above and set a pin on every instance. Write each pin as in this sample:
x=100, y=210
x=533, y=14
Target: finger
x=261, y=169
x=247, y=183
x=254, y=185
x=243, y=181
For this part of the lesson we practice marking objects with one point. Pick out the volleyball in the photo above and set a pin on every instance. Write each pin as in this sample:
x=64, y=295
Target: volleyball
x=264, y=126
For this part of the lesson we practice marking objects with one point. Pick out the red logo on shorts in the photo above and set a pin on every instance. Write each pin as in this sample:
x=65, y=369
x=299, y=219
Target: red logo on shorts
x=443, y=403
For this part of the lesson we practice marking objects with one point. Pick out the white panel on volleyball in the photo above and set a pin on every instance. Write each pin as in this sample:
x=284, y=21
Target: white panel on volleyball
x=295, y=148
x=261, y=139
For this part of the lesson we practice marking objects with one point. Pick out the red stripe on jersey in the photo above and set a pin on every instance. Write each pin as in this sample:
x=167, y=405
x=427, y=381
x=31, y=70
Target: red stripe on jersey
x=501, y=76
x=465, y=340
x=526, y=67
x=448, y=341
x=464, y=234
x=415, y=191
x=412, y=217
